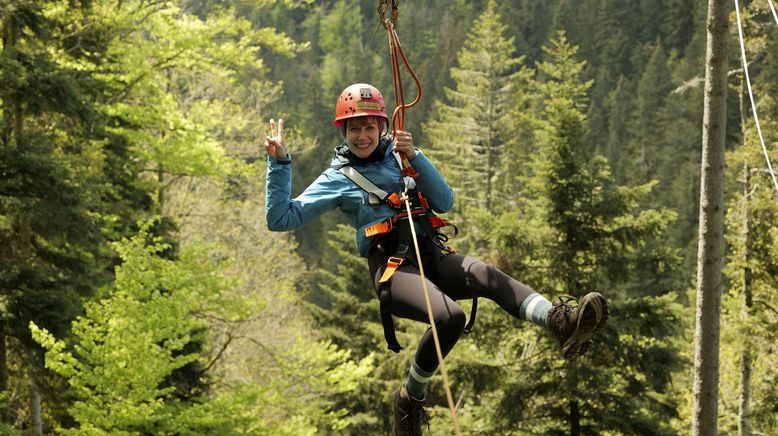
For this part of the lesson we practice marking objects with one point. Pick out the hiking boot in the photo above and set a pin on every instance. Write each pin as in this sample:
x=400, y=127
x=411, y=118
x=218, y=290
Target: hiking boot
x=574, y=325
x=408, y=413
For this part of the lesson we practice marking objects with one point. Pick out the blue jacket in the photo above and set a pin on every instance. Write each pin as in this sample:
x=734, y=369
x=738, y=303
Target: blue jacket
x=333, y=190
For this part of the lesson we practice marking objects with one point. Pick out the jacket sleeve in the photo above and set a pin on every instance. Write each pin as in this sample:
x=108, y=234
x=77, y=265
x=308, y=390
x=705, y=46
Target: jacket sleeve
x=439, y=195
x=283, y=213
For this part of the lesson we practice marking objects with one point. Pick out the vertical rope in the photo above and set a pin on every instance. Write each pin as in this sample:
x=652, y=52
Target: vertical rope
x=772, y=8
x=398, y=123
x=750, y=93
x=438, y=350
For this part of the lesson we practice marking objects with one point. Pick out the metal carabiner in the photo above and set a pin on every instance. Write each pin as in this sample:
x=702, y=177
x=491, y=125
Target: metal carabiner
x=383, y=6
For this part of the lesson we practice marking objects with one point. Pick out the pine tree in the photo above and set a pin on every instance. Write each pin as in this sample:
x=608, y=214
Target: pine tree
x=748, y=318
x=53, y=196
x=710, y=239
x=128, y=344
x=469, y=134
x=580, y=231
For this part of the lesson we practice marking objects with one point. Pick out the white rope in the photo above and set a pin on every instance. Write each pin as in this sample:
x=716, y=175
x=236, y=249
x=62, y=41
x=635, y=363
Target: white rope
x=446, y=384
x=772, y=8
x=751, y=94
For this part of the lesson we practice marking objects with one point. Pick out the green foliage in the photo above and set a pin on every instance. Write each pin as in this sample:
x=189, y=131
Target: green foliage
x=345, y=302
x=580, y=232
x=135, y=337
x=523, y=386
x=129, y=342
x=749, y=318
x=162, y=64
x=112, y=111
x=474, y=133
x=470, y=133
x=53, y=199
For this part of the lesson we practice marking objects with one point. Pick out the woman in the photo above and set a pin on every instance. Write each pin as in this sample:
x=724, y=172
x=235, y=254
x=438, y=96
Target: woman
x=382, y=237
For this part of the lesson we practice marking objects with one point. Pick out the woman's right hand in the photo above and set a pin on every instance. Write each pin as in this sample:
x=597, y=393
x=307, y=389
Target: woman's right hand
x=274, y=144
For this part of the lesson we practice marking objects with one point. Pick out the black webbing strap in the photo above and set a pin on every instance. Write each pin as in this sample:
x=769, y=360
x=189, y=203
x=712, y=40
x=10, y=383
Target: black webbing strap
x=385, y=299
x=469, y=327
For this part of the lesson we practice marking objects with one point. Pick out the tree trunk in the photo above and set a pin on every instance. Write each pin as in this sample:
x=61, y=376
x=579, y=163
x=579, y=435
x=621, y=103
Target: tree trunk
x=35, y=406
x=709, y=254
x=744, y=412
x=5, y=413
x=575, y=418
x=743, y=422
x=11, y=109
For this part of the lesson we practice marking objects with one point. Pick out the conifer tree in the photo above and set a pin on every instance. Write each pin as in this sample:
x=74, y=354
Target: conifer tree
x=749, y=319
x=579, y=232
x=469, y=135
x=711, y=225
x=130, y=342
x=53, y=190
x=645, y=149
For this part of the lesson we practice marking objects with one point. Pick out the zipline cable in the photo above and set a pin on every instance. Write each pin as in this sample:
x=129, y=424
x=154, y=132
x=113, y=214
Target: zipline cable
x=408, y=173
x=772, y=8
x=750, y=92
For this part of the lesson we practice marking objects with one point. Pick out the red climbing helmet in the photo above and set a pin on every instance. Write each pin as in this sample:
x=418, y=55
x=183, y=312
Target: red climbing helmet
x=359, y=100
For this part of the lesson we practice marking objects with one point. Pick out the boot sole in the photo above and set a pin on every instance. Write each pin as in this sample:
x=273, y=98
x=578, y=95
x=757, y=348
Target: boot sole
x=593, y=312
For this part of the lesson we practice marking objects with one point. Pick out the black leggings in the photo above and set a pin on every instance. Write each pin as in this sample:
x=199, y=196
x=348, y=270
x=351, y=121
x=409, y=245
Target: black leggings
x=457, y=277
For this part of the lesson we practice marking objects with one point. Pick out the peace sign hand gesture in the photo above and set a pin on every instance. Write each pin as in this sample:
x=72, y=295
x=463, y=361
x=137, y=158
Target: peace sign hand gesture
x=274, y=144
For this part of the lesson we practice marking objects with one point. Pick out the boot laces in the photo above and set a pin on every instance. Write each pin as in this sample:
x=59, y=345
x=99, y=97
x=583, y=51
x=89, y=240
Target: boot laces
x=560, y=318
x=415, y=417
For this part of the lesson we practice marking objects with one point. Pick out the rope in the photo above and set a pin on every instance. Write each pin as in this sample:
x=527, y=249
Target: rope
x=398, y=116
x=439, y=352
x=750, y=92
x=772, y=8
x=398, y=123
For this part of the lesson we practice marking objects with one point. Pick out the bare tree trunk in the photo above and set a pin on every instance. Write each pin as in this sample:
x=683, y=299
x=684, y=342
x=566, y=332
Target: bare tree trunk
x=575, y=418
x=744, y=407
x=5, y=412
x=709, y=254
x=11, y=113
x=35, y=406
x=744, y=412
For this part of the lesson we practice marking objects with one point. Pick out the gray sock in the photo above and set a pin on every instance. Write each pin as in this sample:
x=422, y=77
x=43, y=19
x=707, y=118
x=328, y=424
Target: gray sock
x=535, y=308
x=416, y=384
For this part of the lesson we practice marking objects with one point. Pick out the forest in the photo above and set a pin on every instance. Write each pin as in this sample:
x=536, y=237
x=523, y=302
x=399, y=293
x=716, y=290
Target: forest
x=141, y=292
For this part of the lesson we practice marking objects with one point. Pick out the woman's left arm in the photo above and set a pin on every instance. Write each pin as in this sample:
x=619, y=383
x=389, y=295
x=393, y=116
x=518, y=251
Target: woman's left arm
x=434, y=187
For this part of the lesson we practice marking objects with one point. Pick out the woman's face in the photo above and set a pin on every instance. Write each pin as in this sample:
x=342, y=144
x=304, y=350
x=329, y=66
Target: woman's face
x=362, y=135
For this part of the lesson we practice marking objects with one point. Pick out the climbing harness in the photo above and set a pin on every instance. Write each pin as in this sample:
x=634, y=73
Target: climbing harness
x=399, y=224
x=410, y=196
